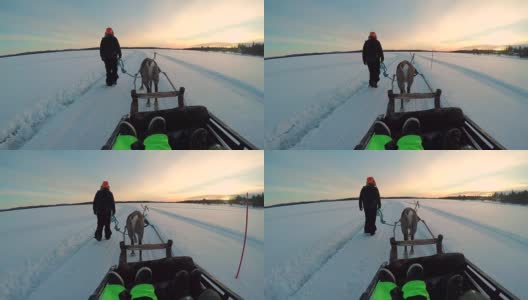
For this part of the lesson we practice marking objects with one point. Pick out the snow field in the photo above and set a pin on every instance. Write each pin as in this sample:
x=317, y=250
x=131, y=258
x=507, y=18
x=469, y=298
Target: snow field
x=50, y=253
x=331, y=257
x=324, y=102
x=60, y=100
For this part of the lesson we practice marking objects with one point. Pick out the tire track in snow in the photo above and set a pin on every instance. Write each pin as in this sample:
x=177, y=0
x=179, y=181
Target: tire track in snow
x=312, y=117
x=242, y=87
x=22, y=284
x=506, y=87
x=491, y=230
x=28, y=124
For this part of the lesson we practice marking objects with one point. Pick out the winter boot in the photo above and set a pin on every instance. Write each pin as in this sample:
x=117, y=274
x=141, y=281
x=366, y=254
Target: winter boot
x=386, y=288
x=454, y=287
x=415, y=287
x=411, y=139
x=381, y=139
x=157, y=125
x=386, y=275
x=411, y=127
x=114, y=288
x=198, y=140
x=125, y=128
x=143, y=275
x=452, y=139
x=143, y=288
x=179, y=286
x=415, y=272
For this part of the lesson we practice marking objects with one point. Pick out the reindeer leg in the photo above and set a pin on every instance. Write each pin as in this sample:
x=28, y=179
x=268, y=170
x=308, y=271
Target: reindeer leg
x=149, y=90
x=140, y=251
x=132, y=243
x=156, y=106
x=405, y=238
x=412, y=246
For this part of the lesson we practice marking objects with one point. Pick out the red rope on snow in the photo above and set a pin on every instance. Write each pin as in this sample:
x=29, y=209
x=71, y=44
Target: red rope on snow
x=245, y=235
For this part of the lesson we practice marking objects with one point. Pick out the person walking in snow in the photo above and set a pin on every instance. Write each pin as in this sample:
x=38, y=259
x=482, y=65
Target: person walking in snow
x=110, y=52
x=104, y=209
x=369, y=199
x=372, y=57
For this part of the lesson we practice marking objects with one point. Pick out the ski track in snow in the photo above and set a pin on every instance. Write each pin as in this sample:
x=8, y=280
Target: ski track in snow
x=310, y=118
x=224, y=231
x=239, y=86
x=27, y=124
x=21, y=284
x=502, y=85
x=297, y=271
x=309, y=272
x=491, y=230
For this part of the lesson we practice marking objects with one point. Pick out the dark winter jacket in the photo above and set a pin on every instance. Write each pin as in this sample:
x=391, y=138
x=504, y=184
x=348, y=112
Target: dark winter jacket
x=372, y=51
x=369, y=198
x=104, y=202
x=109, y=48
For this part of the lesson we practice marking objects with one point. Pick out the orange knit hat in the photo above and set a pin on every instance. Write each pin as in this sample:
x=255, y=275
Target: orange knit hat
x=105, y=185
x=370, y=180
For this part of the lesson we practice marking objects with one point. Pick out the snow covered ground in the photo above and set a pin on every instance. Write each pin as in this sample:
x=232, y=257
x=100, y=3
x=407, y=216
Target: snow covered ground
x=50, y=253
x=323, y=102
x=319, y=251
x=60, y=100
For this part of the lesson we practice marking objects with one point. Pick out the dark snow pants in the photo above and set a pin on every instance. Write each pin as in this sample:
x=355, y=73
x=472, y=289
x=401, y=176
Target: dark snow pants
x=111, y=70
x=374, y=70
x=103, y=220
x=370, y=220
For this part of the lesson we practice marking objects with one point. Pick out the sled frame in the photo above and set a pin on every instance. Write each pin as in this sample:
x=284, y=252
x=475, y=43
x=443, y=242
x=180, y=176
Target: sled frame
x=392, y=99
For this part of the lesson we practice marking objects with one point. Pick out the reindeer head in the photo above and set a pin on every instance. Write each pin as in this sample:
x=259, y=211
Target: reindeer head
x=145, y=209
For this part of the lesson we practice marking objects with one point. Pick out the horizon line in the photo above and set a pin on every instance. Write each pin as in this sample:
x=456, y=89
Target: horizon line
x=384, y=50
x=29, y=52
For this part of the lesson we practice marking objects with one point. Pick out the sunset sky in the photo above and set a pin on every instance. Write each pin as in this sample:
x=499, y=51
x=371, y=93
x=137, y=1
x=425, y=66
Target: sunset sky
x=299, y=26
x=51, y=177
x=293, y=176
x=27, y=25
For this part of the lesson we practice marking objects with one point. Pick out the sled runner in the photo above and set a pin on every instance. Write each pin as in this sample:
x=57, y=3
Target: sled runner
x=163, y=271
x=438, y=269
x=181, y=122
x=435, y=124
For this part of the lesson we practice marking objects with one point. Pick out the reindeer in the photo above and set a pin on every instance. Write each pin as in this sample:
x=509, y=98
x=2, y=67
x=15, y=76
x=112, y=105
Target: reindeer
x=409, y=223
x=405, y=73
x=150, y=71
x=135, y=225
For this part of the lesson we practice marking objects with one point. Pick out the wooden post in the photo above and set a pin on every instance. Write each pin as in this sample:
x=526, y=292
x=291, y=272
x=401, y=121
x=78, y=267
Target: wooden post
x=390, y=107
x=393, y=251
x=168, y=250
x=439, y=249
x=123, y=254
x=134, y=107
x=181, y=103
x=437, y=98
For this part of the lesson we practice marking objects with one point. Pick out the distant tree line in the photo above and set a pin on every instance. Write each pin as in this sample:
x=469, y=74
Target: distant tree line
x=256, y=49
x=256, y=200
x=510, y=50
x=519, y=197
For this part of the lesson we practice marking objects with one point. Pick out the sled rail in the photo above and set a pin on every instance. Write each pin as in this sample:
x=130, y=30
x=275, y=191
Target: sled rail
x=488, y=284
